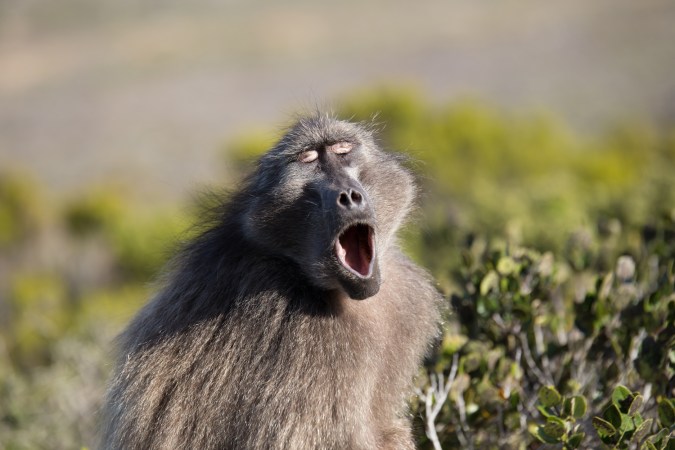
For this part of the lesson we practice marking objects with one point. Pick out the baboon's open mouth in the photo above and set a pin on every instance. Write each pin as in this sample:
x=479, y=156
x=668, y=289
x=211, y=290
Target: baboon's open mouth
x=354, y=248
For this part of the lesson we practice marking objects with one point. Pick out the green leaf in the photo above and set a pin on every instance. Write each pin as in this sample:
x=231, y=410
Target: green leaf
x=642, y=430
x=612, y=415
x=604, y=428
x=566, y=410
x=666, y=413
x=637, y=419
x=472, y=361
x=578, y=406
x=544, y=412
x=543, y=437
x=549, y=396
x=648, y=446
x=619, y=396
x=506, y=265
x=626, y=424
x=657, y=438
x=555, y=427
x=635, y=405
x=489, y=283
x=575, y=440
x=574, y=407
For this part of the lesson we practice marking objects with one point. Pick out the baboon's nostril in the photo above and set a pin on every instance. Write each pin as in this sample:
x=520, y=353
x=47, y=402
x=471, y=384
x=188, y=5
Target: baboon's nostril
x=343, y=199
x=357, y=198
x=352, y=198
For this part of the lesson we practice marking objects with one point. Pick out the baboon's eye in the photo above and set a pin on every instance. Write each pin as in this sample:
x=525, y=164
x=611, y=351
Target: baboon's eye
x=340, y=148
x=308, y=156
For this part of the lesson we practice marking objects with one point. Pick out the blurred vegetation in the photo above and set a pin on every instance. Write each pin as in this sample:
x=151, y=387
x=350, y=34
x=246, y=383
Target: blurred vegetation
x=555, y=250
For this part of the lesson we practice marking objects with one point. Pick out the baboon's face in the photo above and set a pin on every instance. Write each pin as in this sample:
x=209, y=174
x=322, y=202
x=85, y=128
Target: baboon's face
x=329, y=199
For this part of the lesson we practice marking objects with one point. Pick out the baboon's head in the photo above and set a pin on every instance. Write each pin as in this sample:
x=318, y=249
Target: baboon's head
x=328, y=198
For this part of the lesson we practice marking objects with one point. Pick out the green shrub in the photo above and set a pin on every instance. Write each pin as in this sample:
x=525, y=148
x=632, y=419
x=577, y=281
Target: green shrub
x=20, y=214
x=140, y=242
x=143, y=243
x=528, y=325
x=37, y=314
x=94, y=212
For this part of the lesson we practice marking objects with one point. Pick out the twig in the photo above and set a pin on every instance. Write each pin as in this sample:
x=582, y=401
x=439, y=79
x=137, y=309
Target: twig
x=543, y=379
x=435, y=398
x=539, y=347
x=461, y=406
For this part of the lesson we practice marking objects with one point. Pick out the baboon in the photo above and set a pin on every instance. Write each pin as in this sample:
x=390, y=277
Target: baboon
x=293, y=321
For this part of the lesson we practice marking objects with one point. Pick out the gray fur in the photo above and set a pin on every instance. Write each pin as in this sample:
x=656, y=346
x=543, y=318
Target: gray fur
x=253, y=343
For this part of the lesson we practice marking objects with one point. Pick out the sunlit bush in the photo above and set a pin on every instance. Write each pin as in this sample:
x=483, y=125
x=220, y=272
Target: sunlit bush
x=93, y=212
x=19, y=208
x=144, y=244
x=524, y=321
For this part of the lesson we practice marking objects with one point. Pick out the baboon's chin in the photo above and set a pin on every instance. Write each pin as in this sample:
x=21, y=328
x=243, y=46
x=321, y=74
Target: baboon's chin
x=364, y=292
x=360, y=288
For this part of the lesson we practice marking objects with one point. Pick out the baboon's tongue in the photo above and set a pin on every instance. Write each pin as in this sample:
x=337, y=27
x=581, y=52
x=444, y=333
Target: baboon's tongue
x=355, y=249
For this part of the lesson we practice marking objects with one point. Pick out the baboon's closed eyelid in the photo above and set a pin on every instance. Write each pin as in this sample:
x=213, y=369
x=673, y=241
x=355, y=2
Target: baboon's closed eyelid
x=340, y=148
x=308, y=156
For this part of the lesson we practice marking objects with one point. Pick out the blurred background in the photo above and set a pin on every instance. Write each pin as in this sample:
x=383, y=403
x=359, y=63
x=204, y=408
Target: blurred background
x=545, y=124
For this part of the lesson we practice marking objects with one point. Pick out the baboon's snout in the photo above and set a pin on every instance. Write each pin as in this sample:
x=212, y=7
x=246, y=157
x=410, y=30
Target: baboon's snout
x=351, y=199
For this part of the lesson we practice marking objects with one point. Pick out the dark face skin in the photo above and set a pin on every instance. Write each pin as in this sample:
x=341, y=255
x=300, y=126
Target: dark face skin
x=314, y=204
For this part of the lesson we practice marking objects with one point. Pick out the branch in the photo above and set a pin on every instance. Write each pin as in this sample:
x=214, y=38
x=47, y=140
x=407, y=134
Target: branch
x=435, y=397
x=543, y=379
